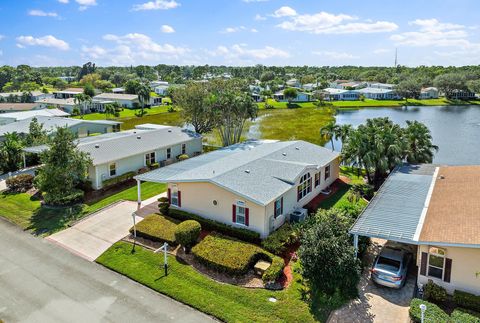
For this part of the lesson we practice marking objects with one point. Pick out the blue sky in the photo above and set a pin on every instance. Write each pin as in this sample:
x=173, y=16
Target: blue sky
x=239, y=32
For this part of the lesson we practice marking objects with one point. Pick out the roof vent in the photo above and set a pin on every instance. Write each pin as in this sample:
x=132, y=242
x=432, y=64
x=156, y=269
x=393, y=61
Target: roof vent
x=284, y=154
x=97, y=146
x=247, y=171
x=139, y=137
x=169, y=130
x=297, y=148
x=442, y=177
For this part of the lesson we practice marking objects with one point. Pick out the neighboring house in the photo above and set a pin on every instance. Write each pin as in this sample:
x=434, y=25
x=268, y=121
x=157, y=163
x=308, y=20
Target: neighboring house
x=161, y=90
x=436, y=209
x=6, y=118
x=118, y=90
x=115, y=154
x=155, y=84
x=311, y=86
x=462, y=95
x=67, y=93
x=66, y=105
x=128, y=101
x=336, y=94
x=429, y=93
x=293, y=83
x=379, y=93
x=36, y=95
x=301, y=97
x=255, y=185
x=385, y=86
x=81, y=128
x=17, y=107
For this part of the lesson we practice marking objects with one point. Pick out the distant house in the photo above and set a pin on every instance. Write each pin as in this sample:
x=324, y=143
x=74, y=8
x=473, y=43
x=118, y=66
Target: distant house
x=17, y=107
x=155, y=84
x=115, y=154
x=6, y=118
x=435, y=209
x=336, y=94
x=379, y=93
x=128, y=101
x=347, y=85
x=385, y=86
x=429, y=93
x=79, y=127
x=66, y=105
x=118, y=90
x=311, y=86
x=256, y=185
x=301, y=97
x=462, y=95
x=293, y=83
x=161, y=90
x=36, y=95
x=67, y=93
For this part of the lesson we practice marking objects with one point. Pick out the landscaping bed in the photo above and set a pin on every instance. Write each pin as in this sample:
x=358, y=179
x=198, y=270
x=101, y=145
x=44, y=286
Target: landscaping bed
x=157, y=228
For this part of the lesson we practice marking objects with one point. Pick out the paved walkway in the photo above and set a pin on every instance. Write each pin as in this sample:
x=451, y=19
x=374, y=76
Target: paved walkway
x=377, y=303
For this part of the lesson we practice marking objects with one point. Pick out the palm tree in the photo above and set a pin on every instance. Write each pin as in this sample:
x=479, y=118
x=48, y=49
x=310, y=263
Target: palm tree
x=82, y=100
x=109, y=110
x=143, y=95
x=328, y=132
x=420, y=148
x=11, y=152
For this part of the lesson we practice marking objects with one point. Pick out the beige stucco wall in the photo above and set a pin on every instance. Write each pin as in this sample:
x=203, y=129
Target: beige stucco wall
x=465, y=265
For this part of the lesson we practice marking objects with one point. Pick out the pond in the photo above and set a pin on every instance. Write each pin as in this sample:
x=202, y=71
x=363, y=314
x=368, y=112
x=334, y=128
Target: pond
x=455, y=129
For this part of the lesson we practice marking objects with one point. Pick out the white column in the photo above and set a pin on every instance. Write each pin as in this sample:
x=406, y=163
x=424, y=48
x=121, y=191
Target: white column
x=24, y=161
x=139, y=193
x=355, y=244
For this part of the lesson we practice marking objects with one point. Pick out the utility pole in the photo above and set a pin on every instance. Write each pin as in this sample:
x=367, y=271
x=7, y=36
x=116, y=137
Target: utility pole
x=396, y=58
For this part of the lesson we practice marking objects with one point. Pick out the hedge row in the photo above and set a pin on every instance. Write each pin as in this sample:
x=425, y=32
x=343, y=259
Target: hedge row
x=118, y=179
x=280, y=240
x=467, y=300
x=212, y=225
x=435, y=314
x=157, y=227
x=460, y=315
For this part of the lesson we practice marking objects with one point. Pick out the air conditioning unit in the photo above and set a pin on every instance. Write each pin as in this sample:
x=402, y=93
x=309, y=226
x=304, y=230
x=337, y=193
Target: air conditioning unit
x=298, y=215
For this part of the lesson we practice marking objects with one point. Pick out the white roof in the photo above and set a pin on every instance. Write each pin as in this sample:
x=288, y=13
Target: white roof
x=7, y=94
x=375, y=90
x=22, y=115
x=69, y=101
x=116, y=96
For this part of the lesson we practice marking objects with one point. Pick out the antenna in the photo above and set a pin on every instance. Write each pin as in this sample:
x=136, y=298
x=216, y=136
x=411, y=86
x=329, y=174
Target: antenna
x=396, y=58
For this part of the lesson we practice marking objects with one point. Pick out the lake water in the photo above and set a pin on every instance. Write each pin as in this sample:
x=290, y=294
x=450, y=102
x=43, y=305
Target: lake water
x=455, y=129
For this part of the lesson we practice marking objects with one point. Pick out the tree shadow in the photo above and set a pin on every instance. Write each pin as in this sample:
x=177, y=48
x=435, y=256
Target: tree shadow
x=49, y=219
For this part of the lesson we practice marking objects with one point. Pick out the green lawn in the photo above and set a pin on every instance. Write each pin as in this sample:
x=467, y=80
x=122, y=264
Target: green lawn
x=227, y=302
x=25, y=211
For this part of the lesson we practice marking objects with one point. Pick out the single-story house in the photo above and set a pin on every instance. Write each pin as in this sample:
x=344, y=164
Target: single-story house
x=379, y=93
x=36, y=95
x=334, y=94
x=301, y=97
x=385, y=86
x=6, y=118
x=118, y=153
x=154, y=84
x=128, y=101
x=118, y=90
x=429, y=93
x=311, y=86
x=17, y=107
x=161, y=90
x=67, y=93
x=81, y=128
x=66, y=105
x=293, y=83
x=256, y=184
x=462, y=95
x=436, y=209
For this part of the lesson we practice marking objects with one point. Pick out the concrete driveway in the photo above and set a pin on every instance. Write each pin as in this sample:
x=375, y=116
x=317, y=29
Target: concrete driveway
x=93, y=235
x=377, y=303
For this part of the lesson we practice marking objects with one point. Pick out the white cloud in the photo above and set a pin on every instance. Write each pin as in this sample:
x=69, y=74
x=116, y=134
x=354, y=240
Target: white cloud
x=259, y=17
x=156, y=5
x=84, y=4
x=167, y=29
x=41, y=13
x=63, y=1
x=335, y=55
x=284, y=11
x=328, y=23
x=45, y=41
x=133, y=48
x=240, y=52
x=230, y=30
x=253, y=30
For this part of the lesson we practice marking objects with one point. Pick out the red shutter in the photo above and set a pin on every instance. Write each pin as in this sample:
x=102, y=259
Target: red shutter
x=179, y=199
x=423, y=264
x=281, y=205
x=234, y=213
x=448, y=270
x=246, y=216
x=169, y=195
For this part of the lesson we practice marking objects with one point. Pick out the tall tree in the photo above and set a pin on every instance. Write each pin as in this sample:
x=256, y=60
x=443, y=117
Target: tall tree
x=290, y=94
x=144, y=95
x=89, y=90
x=450, y=83
x=420, y=148
x=409, y=89
x=11, y=152
x=36, y=134
x=82, y=101
x=64, y=169
x=329, y=131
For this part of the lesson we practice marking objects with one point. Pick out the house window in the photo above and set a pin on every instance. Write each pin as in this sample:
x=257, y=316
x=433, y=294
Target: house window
x=150, y=158
x=113, y=169
x=174, y=196
x=240, y=213
x=184, y=149
x=436, y=262
x=317, y=178
x=278, y=207
x=304, y=187
x=169, y=153
x=327, y=172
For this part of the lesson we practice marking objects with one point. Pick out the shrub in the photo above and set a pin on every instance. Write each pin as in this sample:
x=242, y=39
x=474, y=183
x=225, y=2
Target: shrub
x=274, y=271
x=212, y=225
x=183, y=157
x=20, y=183
x=467, y=300
x=432, y=314
x=157, y=227
x=460, y=315
x=59, y=200
x=278, y=241
x=364, y=190
x=434, y=292
x=118, y=179
x=154, y=166
x=164, y=205
x=187, y=233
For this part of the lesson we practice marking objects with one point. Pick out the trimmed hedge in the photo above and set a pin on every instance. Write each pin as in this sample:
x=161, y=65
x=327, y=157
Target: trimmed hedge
x=164, y=205
x=20, y=183
x=434, y=292
x=118, y=179
x=157, y=227
x=212, y=225
x=432, y=314
x=280, y=240
x=187, y=233
x=274, y=271
x=460, y=315
x=467, y=300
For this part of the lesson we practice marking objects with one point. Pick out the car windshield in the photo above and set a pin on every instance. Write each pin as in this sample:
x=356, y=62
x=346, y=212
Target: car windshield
x=388, y=264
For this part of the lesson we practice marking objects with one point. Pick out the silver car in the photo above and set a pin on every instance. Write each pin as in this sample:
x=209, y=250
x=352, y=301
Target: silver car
x=390, y=268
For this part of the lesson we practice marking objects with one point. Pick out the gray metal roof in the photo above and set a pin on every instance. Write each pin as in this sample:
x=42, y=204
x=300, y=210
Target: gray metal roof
x=257, y=170
x=116, y=96
x=395, y=211
x=117, y=145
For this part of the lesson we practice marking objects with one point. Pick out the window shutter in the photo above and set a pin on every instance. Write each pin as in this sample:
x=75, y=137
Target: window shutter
x=169, y=195
x=179, y=199
x=298, y=193
x=234, y=213
x=247, y=216
x=423, y=264
x=448, y=270
x=281, y=205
